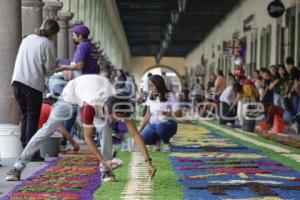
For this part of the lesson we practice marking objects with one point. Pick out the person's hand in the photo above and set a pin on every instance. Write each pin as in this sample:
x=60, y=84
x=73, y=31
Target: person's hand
x=163, y=113
x=151, y=170
x=62, y=68
x=111, y=165
x=76, y=148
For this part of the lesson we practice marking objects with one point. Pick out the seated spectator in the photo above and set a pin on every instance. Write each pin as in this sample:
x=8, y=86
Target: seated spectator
x=268, y=95
x=292, y=95
x=279, y=85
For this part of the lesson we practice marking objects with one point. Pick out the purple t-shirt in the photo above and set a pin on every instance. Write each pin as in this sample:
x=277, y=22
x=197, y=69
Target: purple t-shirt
x=87, y=53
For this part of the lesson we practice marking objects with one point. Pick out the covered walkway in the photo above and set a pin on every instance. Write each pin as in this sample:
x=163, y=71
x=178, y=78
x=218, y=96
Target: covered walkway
x=214, y=96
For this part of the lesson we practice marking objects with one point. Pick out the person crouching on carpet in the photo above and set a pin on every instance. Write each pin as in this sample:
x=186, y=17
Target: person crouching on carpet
x=162, y=109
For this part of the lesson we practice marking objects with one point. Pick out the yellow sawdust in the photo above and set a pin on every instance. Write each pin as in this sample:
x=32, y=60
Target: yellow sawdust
x=275, y=176
x=217, y=155
x=243, y=176
x=208, y=175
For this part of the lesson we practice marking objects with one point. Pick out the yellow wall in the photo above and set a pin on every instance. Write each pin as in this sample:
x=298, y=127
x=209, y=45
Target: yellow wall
x=140, y=65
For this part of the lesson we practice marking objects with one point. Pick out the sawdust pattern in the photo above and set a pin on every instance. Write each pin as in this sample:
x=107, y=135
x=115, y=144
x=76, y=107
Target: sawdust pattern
x=138, y=187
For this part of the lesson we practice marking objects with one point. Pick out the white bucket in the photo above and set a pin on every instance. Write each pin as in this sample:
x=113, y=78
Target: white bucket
x=10, y=144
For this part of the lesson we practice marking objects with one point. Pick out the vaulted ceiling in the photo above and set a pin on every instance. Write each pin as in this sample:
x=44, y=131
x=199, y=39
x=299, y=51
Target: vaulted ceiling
x=145, y=23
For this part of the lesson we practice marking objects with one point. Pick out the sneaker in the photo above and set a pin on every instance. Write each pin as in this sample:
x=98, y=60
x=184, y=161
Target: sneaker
x=108, y=176
x=117, y=161
x=13, y=175
x=156, y=147
x=167, y=147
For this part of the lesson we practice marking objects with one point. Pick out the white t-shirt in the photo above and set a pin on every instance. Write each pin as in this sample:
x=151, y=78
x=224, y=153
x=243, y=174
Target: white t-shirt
x=91, y=89
x=197, y=89
x=172, y=105
x=228, y=95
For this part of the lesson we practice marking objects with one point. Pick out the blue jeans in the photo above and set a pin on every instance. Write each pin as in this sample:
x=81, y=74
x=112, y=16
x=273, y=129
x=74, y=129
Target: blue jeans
x=278, y=100
x=70, y=123
x=288, y=116
x=162, y=130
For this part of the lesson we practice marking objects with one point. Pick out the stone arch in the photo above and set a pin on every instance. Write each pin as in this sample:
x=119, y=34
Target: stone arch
x=163, y=66
x=140, y=65
x=178, y=79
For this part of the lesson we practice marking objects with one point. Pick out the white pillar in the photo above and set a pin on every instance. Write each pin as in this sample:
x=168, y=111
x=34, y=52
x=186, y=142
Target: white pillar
x=63, y=35
x=10, y=32
x=51, y=8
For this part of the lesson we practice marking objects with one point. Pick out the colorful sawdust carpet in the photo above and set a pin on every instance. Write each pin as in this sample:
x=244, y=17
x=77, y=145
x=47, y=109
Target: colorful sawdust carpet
x=64, y=178
x=211, y=168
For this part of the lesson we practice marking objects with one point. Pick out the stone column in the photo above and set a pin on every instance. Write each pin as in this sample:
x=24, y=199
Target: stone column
x=72, y=45
x=63, y=35
x=32, y=15
x=51, y=8
x=10, y=32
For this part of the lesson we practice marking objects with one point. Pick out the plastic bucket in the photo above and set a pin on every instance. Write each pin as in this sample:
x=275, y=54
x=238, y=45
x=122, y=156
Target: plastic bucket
x=51, y=147
x=248, y=125
x=10, y=145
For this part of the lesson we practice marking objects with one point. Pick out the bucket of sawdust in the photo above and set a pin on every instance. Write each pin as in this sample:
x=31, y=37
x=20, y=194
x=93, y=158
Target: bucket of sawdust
x=51, y=147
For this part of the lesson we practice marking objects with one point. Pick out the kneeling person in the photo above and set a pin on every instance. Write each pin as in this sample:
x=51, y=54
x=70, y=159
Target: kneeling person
x=159, y=122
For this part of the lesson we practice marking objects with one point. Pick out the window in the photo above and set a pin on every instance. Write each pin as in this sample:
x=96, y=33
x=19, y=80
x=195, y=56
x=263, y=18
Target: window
x=268, y=45
x=262, y=48
x=279, y=44
x=253, y=48
x=255, y=51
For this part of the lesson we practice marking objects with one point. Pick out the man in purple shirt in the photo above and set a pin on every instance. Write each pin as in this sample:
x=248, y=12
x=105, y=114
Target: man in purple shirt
x=85, y=62
x=85, y=56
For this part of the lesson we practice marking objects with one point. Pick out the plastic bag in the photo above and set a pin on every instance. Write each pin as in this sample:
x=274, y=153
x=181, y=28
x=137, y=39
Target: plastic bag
x=278, y=125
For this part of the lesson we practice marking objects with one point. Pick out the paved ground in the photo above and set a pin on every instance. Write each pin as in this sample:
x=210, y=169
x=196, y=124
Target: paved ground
x=8, y=164
x=32, y=167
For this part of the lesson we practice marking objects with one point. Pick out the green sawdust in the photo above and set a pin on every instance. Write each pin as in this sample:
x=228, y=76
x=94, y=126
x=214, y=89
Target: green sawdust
x=165, y=184
x=113, y=190
x=267, y=152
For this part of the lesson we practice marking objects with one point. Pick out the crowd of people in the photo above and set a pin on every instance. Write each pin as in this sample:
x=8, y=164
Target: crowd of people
x=86, y=87
x=269, y=93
